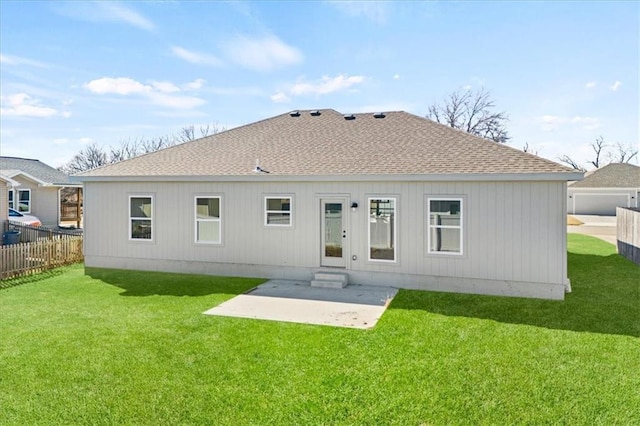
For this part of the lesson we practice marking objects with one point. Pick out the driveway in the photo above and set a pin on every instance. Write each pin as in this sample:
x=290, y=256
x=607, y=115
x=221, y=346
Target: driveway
x=603, y=227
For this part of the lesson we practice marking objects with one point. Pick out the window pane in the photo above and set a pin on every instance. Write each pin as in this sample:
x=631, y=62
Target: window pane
x=141, y=229
x=445, y=240
x=444, y=219
x=282, y=204
x=208, y=208
x=278, y=218
x=445, y=206
x=382, y=229
x=208, y=231
x=11, y=199
x=141, y=207
x=24, y=201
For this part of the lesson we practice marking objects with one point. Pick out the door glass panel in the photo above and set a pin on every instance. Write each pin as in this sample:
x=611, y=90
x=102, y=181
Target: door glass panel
x=333, y=230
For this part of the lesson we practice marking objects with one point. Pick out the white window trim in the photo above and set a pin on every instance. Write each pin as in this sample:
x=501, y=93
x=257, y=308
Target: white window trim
x=16, y=198
x=266, y=211
x=395, y=230
x=151, y=219
x=196, y=220
x=429, y=226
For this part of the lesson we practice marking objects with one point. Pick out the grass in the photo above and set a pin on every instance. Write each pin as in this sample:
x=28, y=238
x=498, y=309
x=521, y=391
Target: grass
x=121, y=347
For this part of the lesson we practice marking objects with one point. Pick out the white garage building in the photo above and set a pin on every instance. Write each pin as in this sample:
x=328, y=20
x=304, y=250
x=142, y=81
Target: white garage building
x=604, y=189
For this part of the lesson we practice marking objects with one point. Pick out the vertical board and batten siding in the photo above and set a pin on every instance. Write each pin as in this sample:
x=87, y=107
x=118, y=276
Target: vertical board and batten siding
x=512, y=231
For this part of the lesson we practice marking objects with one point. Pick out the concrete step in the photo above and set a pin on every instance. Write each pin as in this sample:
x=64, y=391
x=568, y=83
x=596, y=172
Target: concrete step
x=327, y=284
x=329, y=280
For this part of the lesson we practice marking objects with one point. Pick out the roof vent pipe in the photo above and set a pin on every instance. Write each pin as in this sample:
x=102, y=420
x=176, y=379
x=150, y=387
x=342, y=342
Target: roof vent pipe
x=315, y=113
x=379, y=115
x=349, y=117
x=294, y=113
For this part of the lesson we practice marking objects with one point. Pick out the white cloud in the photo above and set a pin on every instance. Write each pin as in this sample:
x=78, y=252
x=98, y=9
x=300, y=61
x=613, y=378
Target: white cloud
x=121, y=86
x=322, y=86
x=262, y=54
x=178, y=102
x=326, y=85
x=553, y=122
x=17, y=60
x=165, y=86
x=195, y=84
x=590, y=85
x=280, y=97
x=588, y=123
x=104, y=11
x=86, y=140
x=22, y=105
x=161, y=93
x=112, y=11
x=195, y=57
x=375, y=11
x=396, y=77
x=61, y=141
x=615, y=86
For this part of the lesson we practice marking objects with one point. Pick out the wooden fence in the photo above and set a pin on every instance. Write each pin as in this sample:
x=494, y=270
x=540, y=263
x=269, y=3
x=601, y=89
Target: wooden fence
x=628, y=225
x=29, y=258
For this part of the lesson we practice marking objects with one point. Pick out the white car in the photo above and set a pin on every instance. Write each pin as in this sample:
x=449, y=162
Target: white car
x=16, y=216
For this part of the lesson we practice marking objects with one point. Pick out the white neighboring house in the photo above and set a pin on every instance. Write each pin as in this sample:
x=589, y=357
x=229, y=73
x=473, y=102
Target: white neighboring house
x=384, y=199
x=604, y=189
x=6, y=184
x=36, y=188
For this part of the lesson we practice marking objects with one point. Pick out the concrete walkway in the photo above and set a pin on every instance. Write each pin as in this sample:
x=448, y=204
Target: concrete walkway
x=354, y=306
x=603, y=227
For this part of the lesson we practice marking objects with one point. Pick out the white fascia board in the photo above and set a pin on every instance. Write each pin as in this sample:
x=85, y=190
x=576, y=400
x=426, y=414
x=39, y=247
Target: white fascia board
x=14, y=173
x=476, y=177
x=602, y=188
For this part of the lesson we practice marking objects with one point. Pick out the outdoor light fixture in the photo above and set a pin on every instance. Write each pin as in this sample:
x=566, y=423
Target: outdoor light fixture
x=354, y=206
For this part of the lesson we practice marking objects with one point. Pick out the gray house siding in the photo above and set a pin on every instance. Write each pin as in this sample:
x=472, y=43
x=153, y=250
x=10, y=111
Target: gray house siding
x=514, y=233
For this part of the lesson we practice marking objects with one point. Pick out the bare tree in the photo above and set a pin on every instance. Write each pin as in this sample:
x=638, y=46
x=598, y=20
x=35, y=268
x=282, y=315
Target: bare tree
x=571, y=163
x=625, y=154
x=472, y=112
x=155, y=144
x=598, y=146
x=127, y=149
x=89, y=158
x=95, y=156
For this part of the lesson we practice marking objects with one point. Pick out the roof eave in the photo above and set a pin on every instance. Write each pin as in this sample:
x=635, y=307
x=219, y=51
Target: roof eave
x=457, y=177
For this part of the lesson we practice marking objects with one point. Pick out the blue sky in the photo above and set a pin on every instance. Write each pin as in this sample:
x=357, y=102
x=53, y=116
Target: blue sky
x=75, y=73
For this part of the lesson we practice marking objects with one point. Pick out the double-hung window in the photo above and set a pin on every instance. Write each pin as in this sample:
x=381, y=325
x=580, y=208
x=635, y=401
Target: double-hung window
x=141, y=217
x=11, y=205
x=445, y=225
x=278, y=211
x=208, y=220
x=382, y=229
x=24, y=201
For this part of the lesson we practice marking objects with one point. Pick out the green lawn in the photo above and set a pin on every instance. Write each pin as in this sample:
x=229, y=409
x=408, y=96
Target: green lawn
x=134, y=348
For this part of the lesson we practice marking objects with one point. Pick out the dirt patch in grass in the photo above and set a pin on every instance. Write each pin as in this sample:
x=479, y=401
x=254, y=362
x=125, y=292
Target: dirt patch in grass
x=572, y=221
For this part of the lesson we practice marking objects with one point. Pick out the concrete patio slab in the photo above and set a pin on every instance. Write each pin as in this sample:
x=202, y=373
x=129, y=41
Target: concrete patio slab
x=354, y=306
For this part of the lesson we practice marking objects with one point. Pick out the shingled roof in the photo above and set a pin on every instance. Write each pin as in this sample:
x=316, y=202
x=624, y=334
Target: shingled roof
x=326, y=143
x=34, y=168
x=614, y=175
